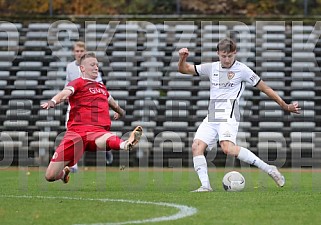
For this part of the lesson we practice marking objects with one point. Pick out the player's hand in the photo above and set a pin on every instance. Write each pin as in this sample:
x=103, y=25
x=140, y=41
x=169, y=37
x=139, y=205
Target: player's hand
x=119, y=115
x=183, y=53
x=116, y=116
x=294, y=108
x=48, y=105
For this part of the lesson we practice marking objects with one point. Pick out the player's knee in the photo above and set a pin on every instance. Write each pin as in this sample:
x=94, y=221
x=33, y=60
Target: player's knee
x=194, y=146
x=197, y=149
x=228, y=148
x=50, y=177
x=225, y=150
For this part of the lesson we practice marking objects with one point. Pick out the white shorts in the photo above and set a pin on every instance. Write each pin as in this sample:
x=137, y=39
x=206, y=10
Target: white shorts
x=211, y=132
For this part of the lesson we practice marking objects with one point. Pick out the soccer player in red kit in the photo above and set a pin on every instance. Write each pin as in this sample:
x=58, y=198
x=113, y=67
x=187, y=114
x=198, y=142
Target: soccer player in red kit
x=88, y=127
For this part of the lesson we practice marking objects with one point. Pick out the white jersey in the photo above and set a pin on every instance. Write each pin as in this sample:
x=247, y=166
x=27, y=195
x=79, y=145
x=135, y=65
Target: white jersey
x=73, y=72
x=226, y=88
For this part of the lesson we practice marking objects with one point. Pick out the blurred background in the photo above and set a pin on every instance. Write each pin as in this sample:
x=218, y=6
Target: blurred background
x=137, y=44
x=158, y=7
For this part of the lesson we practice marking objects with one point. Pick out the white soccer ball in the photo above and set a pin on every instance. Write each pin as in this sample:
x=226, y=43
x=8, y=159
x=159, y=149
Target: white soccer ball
x=233, y=181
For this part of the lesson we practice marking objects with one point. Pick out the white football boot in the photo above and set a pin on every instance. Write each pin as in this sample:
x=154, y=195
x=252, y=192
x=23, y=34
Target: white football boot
x=203, y=189
x=133, y=138
x=276, y=176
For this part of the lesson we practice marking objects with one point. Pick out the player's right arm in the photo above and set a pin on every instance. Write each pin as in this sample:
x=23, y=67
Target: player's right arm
x=58, y=98
x=183, y=66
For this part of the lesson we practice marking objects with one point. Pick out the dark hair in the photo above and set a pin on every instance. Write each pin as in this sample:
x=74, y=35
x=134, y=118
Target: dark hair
x=226, y=45
x=87, y=55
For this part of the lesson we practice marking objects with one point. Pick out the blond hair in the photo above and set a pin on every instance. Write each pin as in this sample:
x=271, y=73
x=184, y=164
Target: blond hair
x=79, y=44
x=86, y=56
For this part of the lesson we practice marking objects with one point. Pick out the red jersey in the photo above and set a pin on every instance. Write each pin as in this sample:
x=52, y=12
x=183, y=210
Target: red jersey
x=88, y=104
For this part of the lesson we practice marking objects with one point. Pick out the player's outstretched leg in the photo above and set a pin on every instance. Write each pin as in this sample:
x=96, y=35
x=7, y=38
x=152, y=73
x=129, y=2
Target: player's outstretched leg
x=276, y=176
x=134, y=138
x=249, y=157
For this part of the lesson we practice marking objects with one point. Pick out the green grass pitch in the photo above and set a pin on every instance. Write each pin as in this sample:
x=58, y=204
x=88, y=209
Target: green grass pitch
x=155, y=195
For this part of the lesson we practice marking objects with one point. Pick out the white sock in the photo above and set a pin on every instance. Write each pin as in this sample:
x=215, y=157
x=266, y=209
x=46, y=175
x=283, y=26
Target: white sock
x=75, y=166
x=122, y=145
x=249, y=157
x=200, y=166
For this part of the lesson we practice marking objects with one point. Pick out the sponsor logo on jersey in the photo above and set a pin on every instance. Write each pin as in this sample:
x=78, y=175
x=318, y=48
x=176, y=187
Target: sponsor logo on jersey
x=254, y=78
x=97, y=91
x=223, y=85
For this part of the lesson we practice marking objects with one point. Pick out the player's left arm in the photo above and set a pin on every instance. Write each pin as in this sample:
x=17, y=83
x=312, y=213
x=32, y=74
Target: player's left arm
x=293, y=107
x=114, y=106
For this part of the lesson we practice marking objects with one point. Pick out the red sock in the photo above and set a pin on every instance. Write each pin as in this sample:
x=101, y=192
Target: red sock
x=113, y=143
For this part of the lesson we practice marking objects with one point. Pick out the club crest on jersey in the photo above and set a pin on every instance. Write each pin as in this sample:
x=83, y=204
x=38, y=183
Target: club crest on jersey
x=230, y=75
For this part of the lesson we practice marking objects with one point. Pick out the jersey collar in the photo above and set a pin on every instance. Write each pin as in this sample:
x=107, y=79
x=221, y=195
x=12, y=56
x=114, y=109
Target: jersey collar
x=88, y=79
x=227, y=67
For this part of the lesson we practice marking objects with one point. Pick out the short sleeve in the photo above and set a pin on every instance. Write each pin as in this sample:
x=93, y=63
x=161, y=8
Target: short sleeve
x=250, y=77
x=204, y=69
x=74, y=85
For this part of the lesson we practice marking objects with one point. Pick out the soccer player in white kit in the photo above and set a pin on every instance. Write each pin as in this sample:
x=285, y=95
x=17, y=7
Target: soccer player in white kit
x=227, y=82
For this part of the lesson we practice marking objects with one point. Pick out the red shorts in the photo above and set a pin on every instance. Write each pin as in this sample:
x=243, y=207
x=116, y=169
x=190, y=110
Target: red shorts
x=75, y=141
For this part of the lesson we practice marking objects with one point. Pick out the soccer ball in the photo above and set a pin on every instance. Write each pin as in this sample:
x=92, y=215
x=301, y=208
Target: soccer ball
x=233, y=181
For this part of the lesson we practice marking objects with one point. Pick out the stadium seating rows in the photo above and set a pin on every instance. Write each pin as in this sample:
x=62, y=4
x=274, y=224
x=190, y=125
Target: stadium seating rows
x=139, y=61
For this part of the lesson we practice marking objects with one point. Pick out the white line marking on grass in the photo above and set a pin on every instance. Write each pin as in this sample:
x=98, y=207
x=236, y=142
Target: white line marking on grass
x=184, y=211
